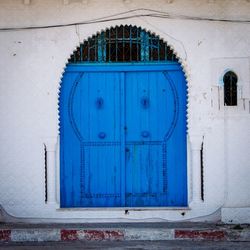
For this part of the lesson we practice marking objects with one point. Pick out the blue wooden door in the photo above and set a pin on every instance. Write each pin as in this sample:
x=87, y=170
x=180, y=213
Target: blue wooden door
x=91, y=139
x=155, y=139
x=123, y=136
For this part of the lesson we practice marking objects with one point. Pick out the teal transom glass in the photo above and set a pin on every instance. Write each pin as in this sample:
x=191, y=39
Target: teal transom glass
x=123, y=44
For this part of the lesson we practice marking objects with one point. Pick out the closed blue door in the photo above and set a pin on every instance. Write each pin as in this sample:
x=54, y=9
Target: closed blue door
x=123, y=136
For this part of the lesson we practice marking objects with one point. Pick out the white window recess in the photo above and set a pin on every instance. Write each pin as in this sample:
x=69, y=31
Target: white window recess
x=241, y=67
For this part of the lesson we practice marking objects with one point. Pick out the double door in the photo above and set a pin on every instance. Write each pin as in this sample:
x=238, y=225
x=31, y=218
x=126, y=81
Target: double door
x=123, y=137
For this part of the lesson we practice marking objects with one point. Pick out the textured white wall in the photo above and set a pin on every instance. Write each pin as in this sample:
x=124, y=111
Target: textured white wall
x=32, y=62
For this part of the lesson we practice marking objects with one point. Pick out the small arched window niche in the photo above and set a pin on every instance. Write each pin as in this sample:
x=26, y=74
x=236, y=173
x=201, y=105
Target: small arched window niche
x=230, y=80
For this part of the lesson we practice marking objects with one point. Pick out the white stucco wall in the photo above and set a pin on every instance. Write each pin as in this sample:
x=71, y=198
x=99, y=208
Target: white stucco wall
x=32, y=62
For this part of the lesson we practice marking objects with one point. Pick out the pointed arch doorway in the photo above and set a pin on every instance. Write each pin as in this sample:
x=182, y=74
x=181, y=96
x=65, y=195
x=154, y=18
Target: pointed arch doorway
x=123, y=123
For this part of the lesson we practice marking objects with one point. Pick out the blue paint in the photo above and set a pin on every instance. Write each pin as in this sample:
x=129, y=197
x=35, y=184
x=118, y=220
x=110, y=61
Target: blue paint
x=124, y=67
x=123, y=136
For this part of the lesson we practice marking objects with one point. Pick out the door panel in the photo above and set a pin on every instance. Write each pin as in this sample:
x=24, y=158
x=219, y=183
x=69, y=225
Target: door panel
x=143, y=176
x=150, y=113
x=94, y=156
x=69, y=159
x=176, y=146
x=148, y=97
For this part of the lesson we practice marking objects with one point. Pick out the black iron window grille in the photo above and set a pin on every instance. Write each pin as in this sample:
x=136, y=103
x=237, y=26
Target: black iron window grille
x=123, y=44
x=230, y=89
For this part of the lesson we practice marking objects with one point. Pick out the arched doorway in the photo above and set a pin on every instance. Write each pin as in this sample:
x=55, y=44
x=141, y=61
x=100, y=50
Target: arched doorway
x=123, y=123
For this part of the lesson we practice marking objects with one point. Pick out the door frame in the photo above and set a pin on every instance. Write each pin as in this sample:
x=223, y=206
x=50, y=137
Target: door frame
x=122, y=67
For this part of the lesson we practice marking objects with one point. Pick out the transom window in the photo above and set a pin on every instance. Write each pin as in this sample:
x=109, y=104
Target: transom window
x=230, y=88
x=123, y=44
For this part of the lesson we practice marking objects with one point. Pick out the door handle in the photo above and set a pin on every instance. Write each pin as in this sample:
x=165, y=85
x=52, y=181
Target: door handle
x=145, y=102
x=127, y=152
x=99, y=102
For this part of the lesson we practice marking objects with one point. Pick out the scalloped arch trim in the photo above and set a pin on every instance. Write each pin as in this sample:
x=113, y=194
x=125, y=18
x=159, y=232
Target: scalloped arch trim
x=124, y=43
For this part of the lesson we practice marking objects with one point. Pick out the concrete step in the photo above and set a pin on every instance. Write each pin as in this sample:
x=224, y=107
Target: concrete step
x=123, y=231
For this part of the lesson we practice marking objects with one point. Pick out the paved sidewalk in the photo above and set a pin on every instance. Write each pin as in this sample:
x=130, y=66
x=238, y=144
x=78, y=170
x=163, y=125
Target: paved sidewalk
x=123, y=232
x=128, y=245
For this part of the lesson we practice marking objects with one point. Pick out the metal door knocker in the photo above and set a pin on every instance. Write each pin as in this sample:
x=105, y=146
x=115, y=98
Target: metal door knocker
x=99, y=102
x=145, y=102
